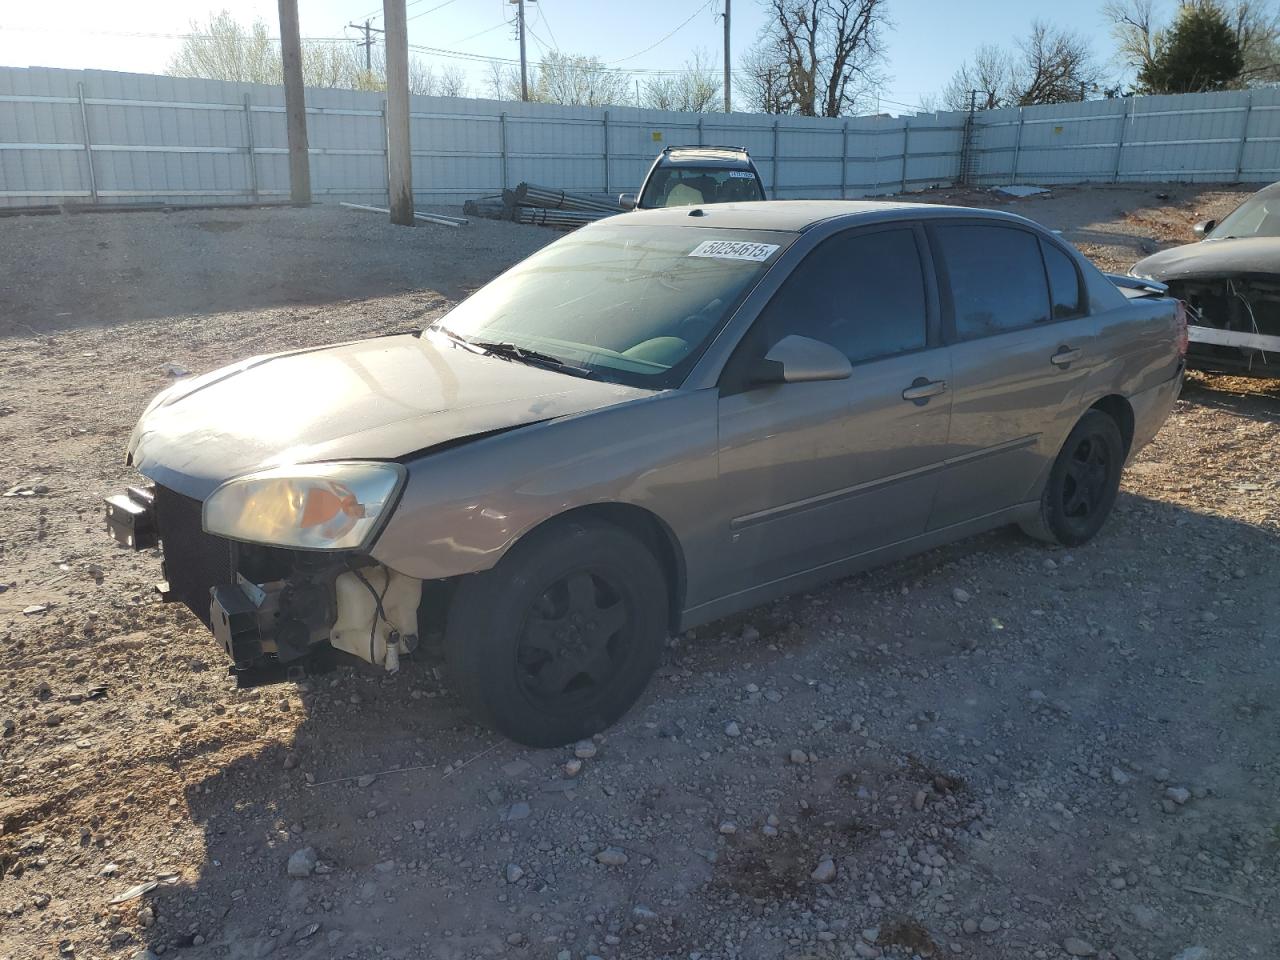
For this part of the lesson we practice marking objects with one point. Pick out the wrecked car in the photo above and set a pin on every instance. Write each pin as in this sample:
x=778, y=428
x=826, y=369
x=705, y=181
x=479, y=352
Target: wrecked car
x=689, y=176
x=654, y=422
x=1230, y=282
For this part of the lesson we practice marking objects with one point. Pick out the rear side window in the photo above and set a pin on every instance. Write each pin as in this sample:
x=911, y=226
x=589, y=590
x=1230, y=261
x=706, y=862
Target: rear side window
x=997, y=278
x=863, y=293
x=1064, y=283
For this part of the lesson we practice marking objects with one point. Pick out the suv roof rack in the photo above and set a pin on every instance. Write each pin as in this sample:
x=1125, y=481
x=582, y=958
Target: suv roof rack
x=702, y=146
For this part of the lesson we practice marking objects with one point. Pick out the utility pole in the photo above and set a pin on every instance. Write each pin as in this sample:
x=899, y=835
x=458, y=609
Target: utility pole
x=295, y=105
x=728, y=96
x=524, y=60
x=399, y=160
x=367, y=42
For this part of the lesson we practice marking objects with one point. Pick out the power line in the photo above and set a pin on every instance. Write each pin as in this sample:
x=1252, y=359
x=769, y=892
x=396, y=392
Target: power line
x=668, y=36
x=438, y=6
x=542, y=15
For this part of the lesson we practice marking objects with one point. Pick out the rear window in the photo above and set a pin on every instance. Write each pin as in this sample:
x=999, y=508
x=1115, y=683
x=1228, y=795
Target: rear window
x=688, y=186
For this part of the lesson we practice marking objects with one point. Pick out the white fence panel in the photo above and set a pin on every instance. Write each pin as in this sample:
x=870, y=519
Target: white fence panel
x=95, y=136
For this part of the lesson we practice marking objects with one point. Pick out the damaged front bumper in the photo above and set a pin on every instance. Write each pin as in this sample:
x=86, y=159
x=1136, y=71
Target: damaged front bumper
x=1235, y=323
x=271, y=609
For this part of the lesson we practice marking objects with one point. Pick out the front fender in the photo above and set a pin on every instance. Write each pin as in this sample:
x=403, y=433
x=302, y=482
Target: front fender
x=464, y=507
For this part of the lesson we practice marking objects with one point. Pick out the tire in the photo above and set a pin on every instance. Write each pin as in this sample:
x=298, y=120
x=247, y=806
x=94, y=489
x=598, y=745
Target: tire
x=558, y=640
x=1083, y=483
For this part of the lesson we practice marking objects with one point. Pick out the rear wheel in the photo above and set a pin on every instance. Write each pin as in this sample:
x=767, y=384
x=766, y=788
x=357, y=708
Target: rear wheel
x=1083, y=483
x=561, y=637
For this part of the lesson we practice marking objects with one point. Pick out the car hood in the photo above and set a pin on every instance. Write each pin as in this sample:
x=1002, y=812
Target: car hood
x=1213, y=258
x=377, y=399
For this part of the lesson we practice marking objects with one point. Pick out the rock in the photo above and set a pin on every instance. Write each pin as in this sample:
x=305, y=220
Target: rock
x=1178, y=795
x=1119, y=777
x=9, y=726
x=824, y=872
x=386, y=866
x=517, y=811
x=366, y=781
x=290, y=760
x=917, y=802
x=146, y=917
x=515, y=939
x=1078, y=948
x=643, y=913
x=611, y=857
x=514, y=873
x=1145, y=917
x=516, y=768
x=731, y=729
x=866, y=950
x=959, y=595
x=303, y=862
x=728, y=828
x=989, y=925
x=799, y=756
x=750, y=634
x=1193, y=953
x=144, y=954
x=970, y=925
x=572, y=767
x=584, y=749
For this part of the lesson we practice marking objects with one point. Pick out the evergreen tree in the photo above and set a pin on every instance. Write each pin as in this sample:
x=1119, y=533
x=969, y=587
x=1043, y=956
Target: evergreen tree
x=1199, y=52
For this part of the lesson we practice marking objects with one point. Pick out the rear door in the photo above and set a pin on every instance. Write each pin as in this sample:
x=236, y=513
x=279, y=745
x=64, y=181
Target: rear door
x=1015, y=310
x=813, y=473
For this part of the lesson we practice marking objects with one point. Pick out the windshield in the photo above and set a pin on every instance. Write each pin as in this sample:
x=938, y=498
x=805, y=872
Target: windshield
x=1259, y=216
x=631, y=304
x=685, y=186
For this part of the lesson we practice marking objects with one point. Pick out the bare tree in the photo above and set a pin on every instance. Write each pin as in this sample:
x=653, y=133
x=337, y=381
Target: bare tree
x=693, y=90
x=1056, y=66
x=1050, y=65
x=1133, y=27
x=761, y=80
x=828, y=52
x=990, y=73
x=224, y=49
x=453, y=81
x=563, y=78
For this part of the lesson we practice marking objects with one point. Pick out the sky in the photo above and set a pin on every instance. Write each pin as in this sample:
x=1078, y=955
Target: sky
x=929, y=39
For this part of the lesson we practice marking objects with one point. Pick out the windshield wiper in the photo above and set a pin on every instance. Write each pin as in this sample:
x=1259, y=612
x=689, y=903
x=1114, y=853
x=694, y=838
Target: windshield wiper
x=509, y=351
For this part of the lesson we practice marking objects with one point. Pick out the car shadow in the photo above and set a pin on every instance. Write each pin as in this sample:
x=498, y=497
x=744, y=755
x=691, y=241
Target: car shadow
x=411, y=810
x=1249, y=397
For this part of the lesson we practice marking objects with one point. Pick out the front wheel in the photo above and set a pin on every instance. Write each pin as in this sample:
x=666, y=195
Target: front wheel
x=1083, y=483
x=558, y=640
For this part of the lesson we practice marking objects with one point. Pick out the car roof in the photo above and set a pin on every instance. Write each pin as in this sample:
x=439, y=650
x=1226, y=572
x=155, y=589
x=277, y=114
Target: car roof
x=735, y=157
x=796, y=216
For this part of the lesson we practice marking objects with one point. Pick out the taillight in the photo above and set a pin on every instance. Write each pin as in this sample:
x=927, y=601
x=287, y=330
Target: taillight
x=1180, y=319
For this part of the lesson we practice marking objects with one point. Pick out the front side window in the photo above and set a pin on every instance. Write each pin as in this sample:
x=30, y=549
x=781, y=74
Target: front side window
x=631, y=304
x=996, y=276
x=691, y=186
x=863, y=293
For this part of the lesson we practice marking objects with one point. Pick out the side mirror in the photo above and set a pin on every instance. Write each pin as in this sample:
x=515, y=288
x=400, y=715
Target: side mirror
x=627, y=201
x=796, y=359
x=1203, y=227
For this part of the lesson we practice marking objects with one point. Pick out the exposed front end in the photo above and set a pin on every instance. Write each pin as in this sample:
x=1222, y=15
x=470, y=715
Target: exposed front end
x=271, y=609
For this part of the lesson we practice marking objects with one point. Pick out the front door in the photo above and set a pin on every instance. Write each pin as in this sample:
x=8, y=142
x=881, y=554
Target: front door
x=814, y=473
x=1023, y=348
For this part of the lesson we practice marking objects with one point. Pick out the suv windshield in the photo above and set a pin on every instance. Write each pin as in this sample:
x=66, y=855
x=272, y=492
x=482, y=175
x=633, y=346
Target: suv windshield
x=630, y=304
x=684, y=186
x=1259, y=216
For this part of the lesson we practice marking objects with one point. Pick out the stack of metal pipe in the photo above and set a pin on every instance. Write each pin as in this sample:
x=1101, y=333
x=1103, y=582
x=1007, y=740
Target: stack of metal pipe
x=542, y=206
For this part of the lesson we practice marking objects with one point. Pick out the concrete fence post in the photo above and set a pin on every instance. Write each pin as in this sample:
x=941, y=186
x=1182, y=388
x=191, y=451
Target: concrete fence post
x=386, y=151
x=88, y=143
x=1244, y=136
x=248, y=149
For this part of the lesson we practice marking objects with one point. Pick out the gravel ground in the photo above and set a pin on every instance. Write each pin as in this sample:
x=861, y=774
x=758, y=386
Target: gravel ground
x=994, y=750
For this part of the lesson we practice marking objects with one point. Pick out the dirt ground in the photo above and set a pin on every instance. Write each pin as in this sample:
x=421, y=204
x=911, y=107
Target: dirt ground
x=1003, y=750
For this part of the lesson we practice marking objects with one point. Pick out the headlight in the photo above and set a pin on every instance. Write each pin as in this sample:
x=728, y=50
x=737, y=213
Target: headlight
x=309, y=506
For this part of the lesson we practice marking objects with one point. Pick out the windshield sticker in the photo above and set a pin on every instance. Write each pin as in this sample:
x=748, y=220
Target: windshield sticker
x=734, y=250
x=743, y=174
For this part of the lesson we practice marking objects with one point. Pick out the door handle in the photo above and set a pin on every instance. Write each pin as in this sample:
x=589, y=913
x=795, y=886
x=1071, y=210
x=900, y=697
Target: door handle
x=922, y=389
x=1065, y=356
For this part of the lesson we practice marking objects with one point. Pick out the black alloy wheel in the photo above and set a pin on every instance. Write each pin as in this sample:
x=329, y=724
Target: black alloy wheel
x=1083, y=483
